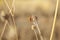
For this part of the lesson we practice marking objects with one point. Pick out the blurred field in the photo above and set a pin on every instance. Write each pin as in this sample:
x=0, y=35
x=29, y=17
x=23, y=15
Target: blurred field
x=43, y=9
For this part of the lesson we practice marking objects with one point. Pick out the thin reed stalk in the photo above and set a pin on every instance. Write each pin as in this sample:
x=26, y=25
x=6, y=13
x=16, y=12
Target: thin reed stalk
x=11, y=12
x=3, y=29
x=34, y=21
x=35, y=32
x=36, y=35
x=54, y=21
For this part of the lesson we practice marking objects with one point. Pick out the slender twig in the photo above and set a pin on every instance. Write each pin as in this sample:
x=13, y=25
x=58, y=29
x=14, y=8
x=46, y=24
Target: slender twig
x=54, y=21
x=3, y=29
x=36, y=25
x=8, y=7
x=38, y=30
x=12, y=16
x=13, y=5
x=35, y=32
x=36, y=35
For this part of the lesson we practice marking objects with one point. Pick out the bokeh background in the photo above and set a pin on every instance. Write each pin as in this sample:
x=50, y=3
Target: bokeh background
x=43, y=9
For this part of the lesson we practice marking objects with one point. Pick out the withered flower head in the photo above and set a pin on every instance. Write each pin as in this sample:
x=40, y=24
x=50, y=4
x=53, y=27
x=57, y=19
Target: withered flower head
x=33, y=18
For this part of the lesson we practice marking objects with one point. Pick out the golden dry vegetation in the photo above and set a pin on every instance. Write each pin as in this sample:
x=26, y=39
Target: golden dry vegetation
x=19, y=26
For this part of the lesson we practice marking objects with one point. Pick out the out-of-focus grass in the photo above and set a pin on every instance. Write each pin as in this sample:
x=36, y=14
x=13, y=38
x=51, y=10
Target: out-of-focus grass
x=43, y=10
x=0, y=2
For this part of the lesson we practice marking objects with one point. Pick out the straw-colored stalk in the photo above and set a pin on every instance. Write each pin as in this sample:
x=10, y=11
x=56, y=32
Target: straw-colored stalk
x=38, y=30
x=33, y=28
x=3, y=29
x=54, y=21
x=11, y=12
x=34, y=21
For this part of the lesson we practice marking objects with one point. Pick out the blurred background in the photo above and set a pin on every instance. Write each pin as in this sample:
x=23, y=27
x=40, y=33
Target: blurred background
x=44, y=10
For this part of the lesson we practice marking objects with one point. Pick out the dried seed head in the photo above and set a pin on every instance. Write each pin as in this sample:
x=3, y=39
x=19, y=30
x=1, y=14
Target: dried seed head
x=33, y=18
x=33, y=27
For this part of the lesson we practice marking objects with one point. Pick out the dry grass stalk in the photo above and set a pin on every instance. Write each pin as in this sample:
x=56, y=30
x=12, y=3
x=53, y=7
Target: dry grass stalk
x=33, y=28
x=34, y=21
x=3, y=29
x=54, y=21
x=11, y=12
